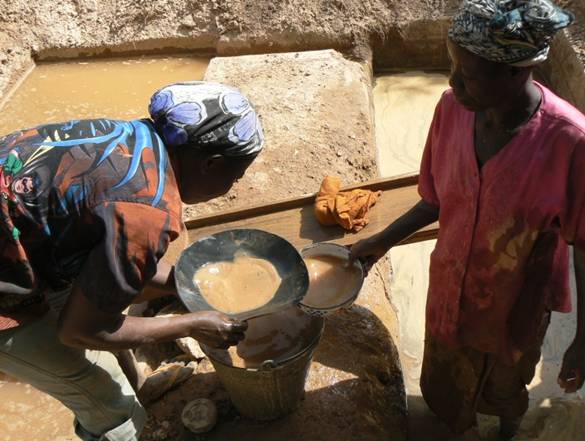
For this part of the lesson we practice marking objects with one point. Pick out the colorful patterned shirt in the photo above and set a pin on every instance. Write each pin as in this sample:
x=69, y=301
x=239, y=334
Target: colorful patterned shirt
x=94, y=201
x=501, y=259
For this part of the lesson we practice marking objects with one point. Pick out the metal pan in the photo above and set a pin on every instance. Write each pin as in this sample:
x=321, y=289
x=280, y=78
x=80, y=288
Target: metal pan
x=223, y=246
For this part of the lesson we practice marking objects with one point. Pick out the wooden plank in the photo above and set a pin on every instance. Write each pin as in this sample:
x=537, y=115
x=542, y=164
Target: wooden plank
x=293, y=219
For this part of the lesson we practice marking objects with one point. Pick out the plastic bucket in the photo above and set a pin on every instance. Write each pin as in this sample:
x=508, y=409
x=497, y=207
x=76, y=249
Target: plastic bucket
x=271, y=390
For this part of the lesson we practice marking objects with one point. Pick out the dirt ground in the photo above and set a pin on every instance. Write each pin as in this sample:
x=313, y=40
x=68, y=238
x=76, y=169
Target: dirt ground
x=315, y=109
x=354, y=391
x=576, y=33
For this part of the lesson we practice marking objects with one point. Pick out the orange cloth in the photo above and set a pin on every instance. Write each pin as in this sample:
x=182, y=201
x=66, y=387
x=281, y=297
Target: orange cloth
x=347, y=208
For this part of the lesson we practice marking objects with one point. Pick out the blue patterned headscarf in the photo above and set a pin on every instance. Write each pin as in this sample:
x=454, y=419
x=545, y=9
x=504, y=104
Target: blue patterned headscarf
x=516, y=32
x=211, y=117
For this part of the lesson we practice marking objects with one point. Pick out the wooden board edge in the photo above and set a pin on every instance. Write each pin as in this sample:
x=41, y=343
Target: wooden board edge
x=296, y=202
x=429, y=233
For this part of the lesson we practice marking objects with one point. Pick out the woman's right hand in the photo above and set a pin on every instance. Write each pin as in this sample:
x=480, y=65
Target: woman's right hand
x=369, y=250
x=216, y=330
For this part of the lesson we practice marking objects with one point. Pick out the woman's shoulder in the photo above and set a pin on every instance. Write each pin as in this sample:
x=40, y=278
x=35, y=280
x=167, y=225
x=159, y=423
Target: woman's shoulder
x=561, y=113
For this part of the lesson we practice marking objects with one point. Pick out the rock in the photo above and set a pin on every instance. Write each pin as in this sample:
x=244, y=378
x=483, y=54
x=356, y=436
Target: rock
x=188, y=22
x=188, y=345
x=165, y=378
x=199, y=416
x=152, y=356
x=191, y=347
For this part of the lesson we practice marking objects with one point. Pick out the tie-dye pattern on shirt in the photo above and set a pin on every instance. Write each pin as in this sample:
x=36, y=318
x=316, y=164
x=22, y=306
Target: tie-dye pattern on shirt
x=99, y=189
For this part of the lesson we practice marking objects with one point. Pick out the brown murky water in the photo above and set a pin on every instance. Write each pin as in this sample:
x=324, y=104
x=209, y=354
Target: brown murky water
x=332, y=282
x=118, y=89
x=242, y=285
x=27, y=414
x=276, y=337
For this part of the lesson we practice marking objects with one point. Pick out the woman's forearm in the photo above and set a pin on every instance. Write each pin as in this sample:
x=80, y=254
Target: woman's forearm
x=419, y=216
x=83, y=325
x=135, y=331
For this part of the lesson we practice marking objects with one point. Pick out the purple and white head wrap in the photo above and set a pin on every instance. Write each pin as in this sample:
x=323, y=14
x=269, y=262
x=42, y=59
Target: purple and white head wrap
x=515, y=32
x=211, y=117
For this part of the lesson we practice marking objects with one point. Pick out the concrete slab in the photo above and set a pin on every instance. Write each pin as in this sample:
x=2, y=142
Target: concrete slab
x=315, y=108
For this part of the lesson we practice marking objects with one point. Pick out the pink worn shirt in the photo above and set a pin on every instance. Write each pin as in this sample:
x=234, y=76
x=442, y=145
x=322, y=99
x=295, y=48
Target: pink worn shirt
x=501, y=258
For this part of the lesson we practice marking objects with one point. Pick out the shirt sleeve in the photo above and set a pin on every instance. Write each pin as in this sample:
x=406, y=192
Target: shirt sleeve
x=135, y=238
x=16, y=273
x=572, y=218
x=426, y=183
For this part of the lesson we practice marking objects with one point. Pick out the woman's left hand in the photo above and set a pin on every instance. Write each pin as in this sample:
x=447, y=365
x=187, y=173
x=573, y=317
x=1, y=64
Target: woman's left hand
x=572, y=375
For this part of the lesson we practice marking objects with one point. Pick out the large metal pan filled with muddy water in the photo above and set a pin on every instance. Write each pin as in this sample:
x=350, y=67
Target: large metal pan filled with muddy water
x=257, y=276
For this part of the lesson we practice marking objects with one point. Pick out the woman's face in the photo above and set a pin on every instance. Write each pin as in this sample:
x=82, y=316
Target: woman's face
x=203, y=177
x=480, y=84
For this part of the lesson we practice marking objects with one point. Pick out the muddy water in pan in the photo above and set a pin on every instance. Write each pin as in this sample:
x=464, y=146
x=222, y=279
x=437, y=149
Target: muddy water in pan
x=242, y=285
x=332, y=282
x=404, y=105
x=276, y=337
x=57, y=92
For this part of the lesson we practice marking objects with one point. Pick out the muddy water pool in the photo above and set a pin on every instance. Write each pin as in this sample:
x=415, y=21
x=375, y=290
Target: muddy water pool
x=404, y=106
x=57, y=92
x=27, y=414
x=118, y=89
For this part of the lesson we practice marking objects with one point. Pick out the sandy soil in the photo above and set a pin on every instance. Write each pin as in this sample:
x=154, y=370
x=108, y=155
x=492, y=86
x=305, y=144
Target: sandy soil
x=315, y=110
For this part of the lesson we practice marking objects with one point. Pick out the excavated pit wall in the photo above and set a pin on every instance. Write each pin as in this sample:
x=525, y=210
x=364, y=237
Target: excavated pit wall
x=43, y=29
x=399, y=34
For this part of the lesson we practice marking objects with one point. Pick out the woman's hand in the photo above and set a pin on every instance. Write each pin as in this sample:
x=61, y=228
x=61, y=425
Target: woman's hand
x=215, y=329
x=369, y=250
x=572, y=373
